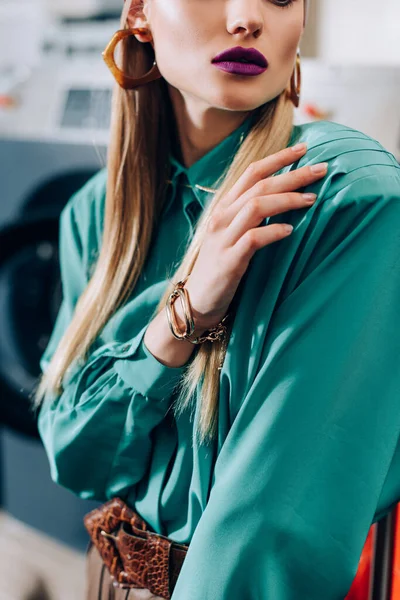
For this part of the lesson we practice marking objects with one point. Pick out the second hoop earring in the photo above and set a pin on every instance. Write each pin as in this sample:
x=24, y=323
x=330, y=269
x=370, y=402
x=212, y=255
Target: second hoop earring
x=295, y=83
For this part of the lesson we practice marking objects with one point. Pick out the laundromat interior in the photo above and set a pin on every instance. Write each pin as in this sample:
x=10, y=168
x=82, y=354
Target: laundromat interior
x=55, y=107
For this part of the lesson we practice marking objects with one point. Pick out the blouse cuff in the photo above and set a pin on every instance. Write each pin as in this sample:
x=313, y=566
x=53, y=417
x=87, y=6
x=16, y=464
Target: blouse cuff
x=147, y=375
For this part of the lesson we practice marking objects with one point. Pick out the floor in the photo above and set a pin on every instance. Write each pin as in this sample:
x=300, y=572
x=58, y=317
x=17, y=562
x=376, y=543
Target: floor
x=34, y=566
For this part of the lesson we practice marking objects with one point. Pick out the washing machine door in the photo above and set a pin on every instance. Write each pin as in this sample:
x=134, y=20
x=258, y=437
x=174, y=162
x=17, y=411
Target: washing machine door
x=30, y=296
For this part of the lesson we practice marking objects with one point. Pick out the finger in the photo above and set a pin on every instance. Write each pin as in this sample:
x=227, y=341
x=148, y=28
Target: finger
x=254, y=239
x=293, y=180
x=261, y=169
x=260, y=207
x=286, y=182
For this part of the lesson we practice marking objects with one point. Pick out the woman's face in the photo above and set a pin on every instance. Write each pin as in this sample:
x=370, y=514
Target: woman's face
x=188, y=34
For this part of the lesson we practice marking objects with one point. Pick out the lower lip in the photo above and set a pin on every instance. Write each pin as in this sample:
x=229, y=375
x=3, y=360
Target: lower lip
x=238, y=68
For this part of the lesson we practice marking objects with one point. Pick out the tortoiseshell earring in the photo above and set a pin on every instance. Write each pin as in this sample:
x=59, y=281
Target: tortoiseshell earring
x=125, y=81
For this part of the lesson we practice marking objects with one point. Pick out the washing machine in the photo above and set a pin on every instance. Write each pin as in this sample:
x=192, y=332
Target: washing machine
x=53, y=138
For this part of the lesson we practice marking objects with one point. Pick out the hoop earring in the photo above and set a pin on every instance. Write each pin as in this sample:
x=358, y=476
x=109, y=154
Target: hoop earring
x=125, y=81
x=295, y=83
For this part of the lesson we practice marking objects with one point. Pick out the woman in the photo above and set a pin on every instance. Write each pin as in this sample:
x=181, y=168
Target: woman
x=269, y=456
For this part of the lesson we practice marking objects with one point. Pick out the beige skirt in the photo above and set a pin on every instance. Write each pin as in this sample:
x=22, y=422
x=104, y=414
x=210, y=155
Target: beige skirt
x=99, y=585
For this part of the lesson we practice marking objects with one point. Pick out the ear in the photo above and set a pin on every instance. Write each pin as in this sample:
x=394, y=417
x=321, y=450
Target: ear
x=136, y=18
x=135, y=14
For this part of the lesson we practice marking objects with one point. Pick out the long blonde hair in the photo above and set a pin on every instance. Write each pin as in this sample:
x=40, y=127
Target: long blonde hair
x=142, y=130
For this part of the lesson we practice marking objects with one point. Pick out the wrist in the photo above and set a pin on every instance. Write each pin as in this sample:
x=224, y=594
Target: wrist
x=163, y=346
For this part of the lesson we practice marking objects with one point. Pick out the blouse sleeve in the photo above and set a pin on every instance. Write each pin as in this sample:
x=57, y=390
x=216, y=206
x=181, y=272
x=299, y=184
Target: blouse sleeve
x=312, y=457
x=97, y=433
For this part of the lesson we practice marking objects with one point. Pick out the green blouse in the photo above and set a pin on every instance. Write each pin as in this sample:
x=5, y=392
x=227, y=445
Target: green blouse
x=308, y=453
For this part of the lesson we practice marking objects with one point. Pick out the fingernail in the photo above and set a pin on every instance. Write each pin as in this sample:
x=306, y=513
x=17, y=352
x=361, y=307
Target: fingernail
x=299, y=147
x=309, y=197
x=320, y=168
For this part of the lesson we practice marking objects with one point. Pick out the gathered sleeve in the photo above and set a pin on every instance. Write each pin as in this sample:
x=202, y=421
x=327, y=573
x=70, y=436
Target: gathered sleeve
x=312, y=457
x=97, y=433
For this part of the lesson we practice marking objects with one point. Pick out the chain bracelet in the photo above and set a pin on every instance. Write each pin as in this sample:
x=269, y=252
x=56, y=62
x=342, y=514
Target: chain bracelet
x=216, y=333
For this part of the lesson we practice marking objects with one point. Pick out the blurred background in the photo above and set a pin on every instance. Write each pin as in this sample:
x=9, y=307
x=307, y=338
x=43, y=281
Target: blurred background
x=55, y=93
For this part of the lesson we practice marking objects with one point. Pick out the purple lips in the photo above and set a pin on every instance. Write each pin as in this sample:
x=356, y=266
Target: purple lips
x=241, y=61
x=240, y=68
x=251, y=55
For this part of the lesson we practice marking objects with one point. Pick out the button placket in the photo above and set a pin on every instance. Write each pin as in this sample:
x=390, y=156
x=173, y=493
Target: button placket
x=192, y=212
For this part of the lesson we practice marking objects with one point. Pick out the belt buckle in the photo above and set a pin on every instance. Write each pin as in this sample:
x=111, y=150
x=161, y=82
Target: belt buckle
x=158, y=558
x=109, y=535
x=114, y=538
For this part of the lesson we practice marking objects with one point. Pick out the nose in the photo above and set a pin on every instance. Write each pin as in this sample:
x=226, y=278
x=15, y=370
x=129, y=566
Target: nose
x=245, y=17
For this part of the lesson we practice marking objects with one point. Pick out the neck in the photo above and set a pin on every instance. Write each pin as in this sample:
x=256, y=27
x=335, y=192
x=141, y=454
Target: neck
x=199, y=132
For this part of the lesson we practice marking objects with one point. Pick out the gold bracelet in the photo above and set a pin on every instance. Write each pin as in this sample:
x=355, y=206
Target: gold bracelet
x=172, y=320
x=213, y=334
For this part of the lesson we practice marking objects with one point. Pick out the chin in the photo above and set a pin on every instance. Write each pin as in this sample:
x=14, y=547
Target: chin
x=237, y=102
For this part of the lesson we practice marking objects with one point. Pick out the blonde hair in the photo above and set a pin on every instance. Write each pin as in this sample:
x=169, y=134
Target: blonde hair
x=142, y=129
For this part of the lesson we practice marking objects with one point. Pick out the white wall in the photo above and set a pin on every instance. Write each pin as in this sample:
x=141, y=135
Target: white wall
x=355, y=32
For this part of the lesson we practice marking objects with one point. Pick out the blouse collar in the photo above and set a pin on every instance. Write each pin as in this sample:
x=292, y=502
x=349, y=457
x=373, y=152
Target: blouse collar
x=207, y=170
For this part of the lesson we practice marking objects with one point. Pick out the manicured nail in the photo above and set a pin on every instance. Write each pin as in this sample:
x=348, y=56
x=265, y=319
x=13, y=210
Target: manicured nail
x=299, y=147
x=319, y=168
x=310, y=198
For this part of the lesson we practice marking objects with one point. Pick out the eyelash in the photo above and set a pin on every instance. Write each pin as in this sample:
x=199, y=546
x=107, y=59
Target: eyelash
x=287, y=5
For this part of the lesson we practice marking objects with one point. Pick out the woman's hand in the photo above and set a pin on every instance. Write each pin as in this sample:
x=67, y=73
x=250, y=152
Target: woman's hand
x=233, y=233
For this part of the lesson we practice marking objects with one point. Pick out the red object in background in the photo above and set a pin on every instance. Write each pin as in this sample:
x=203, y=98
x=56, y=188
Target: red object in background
x=313, y=111
x=360, y=588
x=378, y=572
x=7, y=101
x=395, y=591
